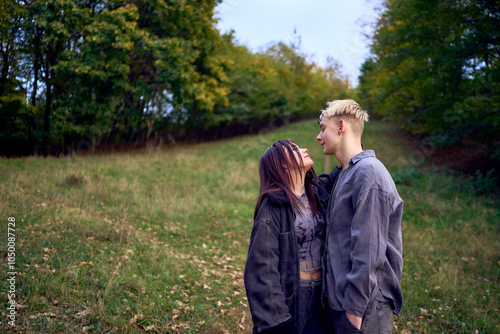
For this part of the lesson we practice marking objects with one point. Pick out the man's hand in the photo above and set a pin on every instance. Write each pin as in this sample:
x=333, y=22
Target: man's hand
x=356, y=321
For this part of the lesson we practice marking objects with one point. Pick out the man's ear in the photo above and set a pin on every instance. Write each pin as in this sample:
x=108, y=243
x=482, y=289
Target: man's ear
x=341, y=126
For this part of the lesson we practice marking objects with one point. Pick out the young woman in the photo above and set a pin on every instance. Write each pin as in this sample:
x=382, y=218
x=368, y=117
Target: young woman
x=283, y=272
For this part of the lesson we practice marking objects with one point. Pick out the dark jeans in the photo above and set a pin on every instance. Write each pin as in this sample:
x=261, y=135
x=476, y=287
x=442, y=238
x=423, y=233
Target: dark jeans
x=378, y=318
x=312, y=317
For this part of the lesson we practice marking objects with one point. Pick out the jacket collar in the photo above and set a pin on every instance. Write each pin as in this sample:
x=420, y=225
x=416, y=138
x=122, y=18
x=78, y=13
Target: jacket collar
x=278, y=197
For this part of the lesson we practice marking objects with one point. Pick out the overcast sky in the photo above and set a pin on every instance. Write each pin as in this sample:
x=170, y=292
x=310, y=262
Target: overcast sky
x=327, y=27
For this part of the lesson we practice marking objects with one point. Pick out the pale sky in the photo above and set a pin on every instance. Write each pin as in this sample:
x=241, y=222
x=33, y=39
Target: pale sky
x=327, y=27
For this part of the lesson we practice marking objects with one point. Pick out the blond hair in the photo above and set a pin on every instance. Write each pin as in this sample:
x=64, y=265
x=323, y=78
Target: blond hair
x=349, y=108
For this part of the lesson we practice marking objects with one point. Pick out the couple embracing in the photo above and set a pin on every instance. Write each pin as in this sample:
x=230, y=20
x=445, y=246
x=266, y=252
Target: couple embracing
x=325, y=252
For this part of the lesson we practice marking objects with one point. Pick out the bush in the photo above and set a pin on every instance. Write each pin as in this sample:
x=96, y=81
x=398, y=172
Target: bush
x=483, y=185
x=406, y=175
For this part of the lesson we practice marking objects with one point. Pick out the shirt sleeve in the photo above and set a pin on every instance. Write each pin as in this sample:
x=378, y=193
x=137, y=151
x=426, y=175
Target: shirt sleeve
x=369, y=237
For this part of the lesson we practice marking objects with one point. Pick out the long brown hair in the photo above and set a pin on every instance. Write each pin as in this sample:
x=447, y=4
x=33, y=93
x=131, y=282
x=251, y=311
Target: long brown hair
x=274, y=177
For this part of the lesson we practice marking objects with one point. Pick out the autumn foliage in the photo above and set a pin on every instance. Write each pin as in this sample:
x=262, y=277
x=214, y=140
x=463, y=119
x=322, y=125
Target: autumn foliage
x=109, y=72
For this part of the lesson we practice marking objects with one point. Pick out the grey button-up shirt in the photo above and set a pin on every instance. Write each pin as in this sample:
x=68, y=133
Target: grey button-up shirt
x=364, y=241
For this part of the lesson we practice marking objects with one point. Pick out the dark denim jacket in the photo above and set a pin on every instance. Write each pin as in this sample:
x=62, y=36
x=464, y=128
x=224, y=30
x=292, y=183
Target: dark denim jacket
x=272, y=268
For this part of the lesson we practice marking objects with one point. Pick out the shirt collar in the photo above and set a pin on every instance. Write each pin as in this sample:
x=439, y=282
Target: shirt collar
x=362, y=155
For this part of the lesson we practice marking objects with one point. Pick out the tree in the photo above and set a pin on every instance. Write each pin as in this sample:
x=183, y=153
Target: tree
x=13, y=108
x=126, y=71
x=107, y=69
x=434, y=69
x=273, y=87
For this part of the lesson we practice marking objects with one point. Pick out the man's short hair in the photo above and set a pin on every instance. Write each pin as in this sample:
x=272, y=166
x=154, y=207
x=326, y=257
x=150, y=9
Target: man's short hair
x=348, y=109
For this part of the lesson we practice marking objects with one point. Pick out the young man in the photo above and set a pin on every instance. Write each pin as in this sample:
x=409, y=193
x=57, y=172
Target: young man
x=364, y=244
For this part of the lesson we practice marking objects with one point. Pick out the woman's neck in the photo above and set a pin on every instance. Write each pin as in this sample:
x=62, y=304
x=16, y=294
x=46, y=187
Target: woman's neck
x=299, y=184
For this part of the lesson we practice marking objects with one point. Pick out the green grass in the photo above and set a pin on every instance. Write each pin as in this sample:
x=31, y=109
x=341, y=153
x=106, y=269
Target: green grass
x=156, y=242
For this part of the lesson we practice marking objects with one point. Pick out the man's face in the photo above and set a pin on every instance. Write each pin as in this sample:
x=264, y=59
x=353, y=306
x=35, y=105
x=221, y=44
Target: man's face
x=328, y=135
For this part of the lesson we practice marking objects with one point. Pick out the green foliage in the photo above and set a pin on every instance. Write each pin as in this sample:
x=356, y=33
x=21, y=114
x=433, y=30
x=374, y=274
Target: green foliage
x=436, y=68
x=111, y=69
x=406, y=175
x=14, y=114
x=480, y=184
x=100, y=72
x=271, y=88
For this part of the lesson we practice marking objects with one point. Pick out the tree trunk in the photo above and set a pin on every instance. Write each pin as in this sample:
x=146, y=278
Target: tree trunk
x=48, y=103
x=5, y=69
x=46, y=119
x=36, y=69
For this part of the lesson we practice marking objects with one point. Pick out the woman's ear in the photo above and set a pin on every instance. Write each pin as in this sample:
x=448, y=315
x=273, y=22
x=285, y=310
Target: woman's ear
x=284, y=164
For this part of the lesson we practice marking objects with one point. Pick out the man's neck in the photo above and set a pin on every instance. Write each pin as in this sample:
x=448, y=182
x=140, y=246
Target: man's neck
x=347, y=152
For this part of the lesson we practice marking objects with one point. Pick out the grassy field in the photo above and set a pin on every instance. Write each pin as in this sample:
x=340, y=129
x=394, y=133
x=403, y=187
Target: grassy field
x=156, y=241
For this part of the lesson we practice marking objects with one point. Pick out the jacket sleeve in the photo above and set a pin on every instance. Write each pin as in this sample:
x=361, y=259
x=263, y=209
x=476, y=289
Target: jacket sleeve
x=269, y=310
x=369, y=236
x=328, y=180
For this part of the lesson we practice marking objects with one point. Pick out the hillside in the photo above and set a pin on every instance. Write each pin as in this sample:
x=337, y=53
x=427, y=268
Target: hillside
x=133, y=242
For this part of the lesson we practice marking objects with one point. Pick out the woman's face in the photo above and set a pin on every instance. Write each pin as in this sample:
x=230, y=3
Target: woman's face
x=302, y=155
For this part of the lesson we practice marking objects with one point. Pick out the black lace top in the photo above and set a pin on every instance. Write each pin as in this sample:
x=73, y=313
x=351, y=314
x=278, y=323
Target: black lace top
x=310, y=233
